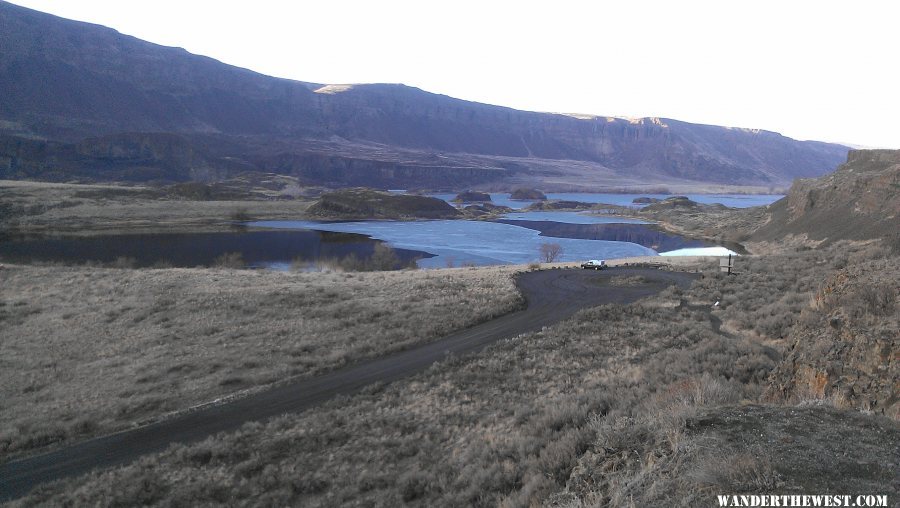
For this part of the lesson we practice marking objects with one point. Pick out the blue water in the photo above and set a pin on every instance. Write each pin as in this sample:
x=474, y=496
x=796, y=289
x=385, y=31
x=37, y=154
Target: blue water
x=731, y=200
x=570, y=218
x=459, y=242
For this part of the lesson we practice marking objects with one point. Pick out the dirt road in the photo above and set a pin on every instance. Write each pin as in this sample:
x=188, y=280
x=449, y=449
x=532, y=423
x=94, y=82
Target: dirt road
x=552, y=295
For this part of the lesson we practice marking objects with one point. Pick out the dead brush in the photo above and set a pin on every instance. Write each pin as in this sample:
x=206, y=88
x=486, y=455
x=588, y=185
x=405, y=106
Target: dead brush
x=670, y=408
x=729, y=471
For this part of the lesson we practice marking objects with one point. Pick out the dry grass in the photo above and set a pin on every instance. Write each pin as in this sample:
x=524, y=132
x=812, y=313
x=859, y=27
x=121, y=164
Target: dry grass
x=88, y=350
x=600, y=408
x=733, y=449
x=503, y=427
x=680, y=448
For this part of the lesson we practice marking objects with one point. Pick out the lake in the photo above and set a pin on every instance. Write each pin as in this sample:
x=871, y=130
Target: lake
x=514, y=239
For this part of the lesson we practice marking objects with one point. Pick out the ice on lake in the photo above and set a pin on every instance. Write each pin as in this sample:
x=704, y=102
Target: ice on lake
x=456, y=242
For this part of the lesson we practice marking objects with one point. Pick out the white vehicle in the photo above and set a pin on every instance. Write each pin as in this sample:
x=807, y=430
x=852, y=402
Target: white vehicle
x=594, y=264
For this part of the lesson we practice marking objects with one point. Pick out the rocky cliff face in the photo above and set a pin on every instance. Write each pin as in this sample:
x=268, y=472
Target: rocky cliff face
x=845, y=347
x=860, y=200
x=64, y=81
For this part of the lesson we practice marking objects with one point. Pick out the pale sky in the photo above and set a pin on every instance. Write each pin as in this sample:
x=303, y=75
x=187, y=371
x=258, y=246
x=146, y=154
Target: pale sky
x=822, y=70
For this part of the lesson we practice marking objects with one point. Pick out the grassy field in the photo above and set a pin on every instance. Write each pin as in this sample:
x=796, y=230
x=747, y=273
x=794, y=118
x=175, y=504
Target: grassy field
x=648, y=404
x=85, y=350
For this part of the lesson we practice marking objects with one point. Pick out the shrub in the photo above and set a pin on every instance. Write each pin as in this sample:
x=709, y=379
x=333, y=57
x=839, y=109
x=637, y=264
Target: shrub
x=229, y=260
x=413, y=486
x=550, y=252
x=384, y=258
x=240, y=215
x=124, y=262
x=878, y=299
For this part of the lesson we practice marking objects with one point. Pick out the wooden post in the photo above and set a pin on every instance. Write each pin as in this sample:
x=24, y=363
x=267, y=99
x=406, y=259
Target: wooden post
x=726, y=265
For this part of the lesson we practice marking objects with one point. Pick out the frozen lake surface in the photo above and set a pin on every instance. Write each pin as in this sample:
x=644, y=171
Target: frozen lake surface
x=458, y=242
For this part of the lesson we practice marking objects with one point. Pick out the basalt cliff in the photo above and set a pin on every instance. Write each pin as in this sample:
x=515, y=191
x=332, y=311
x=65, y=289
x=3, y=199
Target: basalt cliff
x=84, y=102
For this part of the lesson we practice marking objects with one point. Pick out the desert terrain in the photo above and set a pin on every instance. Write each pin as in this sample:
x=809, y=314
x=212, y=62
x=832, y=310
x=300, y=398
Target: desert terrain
x=328, y=369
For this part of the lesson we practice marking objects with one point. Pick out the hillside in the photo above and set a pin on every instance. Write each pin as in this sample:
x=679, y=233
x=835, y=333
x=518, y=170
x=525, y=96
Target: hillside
x=81, y=101
x=859, y=201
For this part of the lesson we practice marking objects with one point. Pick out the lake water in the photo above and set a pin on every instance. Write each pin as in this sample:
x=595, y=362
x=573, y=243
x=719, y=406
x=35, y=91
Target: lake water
x=259, y=249
x=644, y=235
x=731, y=200
x=457, y=242
x=516, y=239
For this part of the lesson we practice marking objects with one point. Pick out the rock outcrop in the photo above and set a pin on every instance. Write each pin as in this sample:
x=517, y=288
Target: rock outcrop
x=845, y=348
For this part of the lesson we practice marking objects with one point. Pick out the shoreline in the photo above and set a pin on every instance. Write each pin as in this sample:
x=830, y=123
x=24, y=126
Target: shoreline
x=38, y=210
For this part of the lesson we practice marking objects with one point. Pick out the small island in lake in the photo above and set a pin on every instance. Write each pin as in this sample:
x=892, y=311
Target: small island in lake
x=471, y=196
x=557, y=205
x=527, y=194
x=362, y=203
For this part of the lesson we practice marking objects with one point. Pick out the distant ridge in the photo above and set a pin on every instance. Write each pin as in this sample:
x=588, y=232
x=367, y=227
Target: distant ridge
x=81, y=101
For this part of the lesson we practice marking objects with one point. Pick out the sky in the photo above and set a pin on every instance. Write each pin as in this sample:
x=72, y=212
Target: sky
x=822, y=70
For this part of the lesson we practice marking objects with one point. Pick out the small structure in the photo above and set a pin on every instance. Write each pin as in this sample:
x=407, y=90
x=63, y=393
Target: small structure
x=727, y=264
